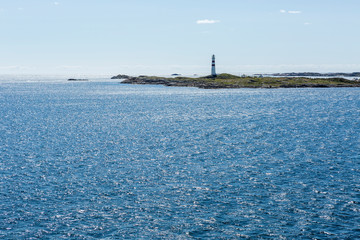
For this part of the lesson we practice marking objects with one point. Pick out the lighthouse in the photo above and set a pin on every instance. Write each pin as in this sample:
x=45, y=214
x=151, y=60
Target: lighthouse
x=213, y=72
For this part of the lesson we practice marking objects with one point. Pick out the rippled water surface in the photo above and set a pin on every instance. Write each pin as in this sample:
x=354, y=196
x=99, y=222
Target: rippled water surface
x=102, y=160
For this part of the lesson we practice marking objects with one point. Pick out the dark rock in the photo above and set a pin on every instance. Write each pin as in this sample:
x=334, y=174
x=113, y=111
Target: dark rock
x=121, y=76
x=77, y=79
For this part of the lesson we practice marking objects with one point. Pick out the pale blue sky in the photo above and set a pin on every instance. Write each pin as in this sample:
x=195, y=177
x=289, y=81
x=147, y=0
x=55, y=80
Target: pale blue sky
x=164, y=36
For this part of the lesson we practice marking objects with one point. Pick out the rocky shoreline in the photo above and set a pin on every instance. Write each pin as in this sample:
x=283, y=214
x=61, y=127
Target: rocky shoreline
x=232, y=81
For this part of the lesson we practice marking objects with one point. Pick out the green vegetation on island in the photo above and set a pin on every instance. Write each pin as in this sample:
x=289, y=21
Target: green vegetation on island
x=231, y=81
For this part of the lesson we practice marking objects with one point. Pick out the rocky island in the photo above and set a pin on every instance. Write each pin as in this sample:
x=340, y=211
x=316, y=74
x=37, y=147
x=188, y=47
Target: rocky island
x=231, y=81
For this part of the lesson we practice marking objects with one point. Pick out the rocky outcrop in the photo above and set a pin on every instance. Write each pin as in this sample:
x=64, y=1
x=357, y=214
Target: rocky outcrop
x=175, y=82
x=231, y=81
x=121, y=76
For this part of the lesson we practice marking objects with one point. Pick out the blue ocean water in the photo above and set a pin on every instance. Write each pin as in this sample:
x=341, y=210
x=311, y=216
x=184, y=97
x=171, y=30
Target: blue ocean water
x=103, y=160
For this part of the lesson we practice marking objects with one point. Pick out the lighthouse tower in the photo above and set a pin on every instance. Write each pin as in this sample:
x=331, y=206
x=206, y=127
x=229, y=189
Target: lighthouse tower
x=213, y=72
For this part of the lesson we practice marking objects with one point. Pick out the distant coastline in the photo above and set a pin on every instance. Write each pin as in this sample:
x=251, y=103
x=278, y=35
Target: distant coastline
x=231, y=81
x=316, y=74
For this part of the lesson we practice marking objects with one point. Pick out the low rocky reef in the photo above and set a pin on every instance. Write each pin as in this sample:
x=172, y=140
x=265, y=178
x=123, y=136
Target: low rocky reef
x=231, y=81
x=78, y=79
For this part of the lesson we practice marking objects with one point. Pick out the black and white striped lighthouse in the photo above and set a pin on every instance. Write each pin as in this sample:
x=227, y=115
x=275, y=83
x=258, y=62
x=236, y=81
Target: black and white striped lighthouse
x=213, y=72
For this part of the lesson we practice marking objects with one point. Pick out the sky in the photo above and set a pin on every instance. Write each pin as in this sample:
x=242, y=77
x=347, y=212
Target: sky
x=161, y=37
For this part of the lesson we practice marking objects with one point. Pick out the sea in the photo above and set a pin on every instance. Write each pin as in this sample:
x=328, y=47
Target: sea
x=104, y=160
